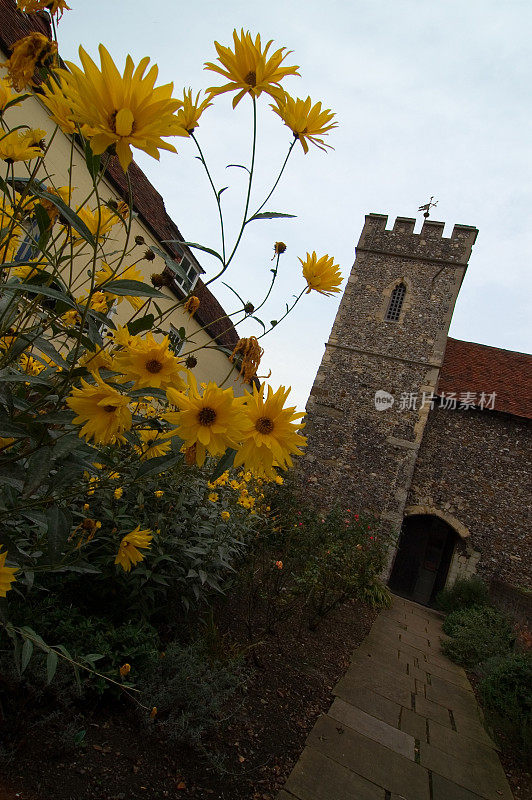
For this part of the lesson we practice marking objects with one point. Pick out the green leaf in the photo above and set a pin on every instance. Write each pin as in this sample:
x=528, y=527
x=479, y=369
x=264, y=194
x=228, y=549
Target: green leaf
x=196, y=246
x=148, y=391
x=38, y=289
x=92, y=161
x=260, y=321
x=143, y=324
x=234, y=292
x=11, y=429
x=132, y=288
x=37, y=469
x=155, y=465
x=218, y=194
x=45, y=228
x=59, y=524
x=27, y=652
x=51, y=665
x=270, y=215
x=68, y=214
x=226, y=462
x=240, y=166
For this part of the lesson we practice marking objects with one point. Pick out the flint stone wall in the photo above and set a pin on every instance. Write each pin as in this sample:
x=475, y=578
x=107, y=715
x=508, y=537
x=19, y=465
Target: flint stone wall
x=475, y=466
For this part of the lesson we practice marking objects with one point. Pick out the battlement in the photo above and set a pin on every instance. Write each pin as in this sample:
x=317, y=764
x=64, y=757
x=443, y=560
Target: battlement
x=430, y=244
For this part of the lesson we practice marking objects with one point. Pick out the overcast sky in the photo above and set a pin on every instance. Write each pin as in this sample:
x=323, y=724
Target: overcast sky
x=432, y=98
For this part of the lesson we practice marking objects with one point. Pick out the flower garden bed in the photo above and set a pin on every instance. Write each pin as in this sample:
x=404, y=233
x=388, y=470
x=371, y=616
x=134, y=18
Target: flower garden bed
x=254, y=754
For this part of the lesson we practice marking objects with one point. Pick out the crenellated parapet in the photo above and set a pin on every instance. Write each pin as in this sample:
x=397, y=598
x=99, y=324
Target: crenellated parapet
x=428, y=245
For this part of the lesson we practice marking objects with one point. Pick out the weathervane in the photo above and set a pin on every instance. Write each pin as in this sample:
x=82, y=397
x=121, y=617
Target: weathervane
x=426, y=208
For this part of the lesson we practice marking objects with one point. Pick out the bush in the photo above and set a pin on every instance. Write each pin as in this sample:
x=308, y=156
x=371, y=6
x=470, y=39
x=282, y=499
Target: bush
x=477, y=634
x=463, y=594
x=506, y=689
x=190, y=689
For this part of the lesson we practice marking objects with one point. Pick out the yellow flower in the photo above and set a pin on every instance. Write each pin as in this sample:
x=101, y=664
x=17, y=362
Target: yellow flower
x=6, y=442
x=208, y=423
x=117, y=494
x=225, y=515
x=100, y=221
x=279, y=480
x=150, y=363
x=106, y=274
x=55, y=101
x=30, y=365
x=94, y=361
x=190, y=112
x=158, y=493
x=279, y=564
x=121, y=110
x=192, y=305
x=250, y=353
x=7, y=95
x=71, y=318
x=28, y=271
x=128, y=553
x=321, y=274
x=33, y=6
x=271, y=436
x=121, y=337
x=306, y=121
x=153, y=712
x=33, y=51
x=9, y=231
x=213, y=497
x=101, y=410
x=7, y=575
x=86, y=507
x=154, y=444
x=125, y=669
x=98, y=302
x=17, y=146
x=249, y=69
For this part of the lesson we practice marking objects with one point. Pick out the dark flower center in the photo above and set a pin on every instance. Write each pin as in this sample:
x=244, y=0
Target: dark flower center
x=206, y=416
x=109, y=409
x=251, y=78
x=264, y=425
x=154, y=365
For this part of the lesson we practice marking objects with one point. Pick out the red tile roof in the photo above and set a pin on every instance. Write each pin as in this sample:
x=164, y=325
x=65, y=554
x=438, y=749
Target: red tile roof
x=147, y=201
x=470, y=367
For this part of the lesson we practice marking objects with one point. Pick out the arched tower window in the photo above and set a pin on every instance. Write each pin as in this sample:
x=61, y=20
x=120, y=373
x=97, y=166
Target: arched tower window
x=396, y=303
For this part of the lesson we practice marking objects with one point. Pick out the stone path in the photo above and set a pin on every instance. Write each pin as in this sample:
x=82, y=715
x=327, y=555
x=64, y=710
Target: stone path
x=404, y=724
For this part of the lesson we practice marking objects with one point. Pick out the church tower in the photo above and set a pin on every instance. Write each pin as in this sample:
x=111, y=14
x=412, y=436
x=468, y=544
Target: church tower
x=366, y=414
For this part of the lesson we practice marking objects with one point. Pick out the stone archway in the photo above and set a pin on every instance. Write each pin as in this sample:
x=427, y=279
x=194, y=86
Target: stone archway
x=424, y=552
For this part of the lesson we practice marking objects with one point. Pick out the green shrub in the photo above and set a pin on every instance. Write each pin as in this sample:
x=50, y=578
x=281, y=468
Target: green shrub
x=477, y=633
x=463, y=594
x=190, y=690
x=506, y=689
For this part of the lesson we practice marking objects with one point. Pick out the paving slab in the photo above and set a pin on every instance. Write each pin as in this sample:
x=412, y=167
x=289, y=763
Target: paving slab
x=362, y=722
x=398, y=691
x=486, y=778
x=432, y=711
x=317, y=777
x=370, y=702
x=375, y=659
x=456, y=744
x=404, y=724
x=439, y=682
x=371, y=760
x=413, y=724
x=472, y=727
x=452, y=697
x=443, y=789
